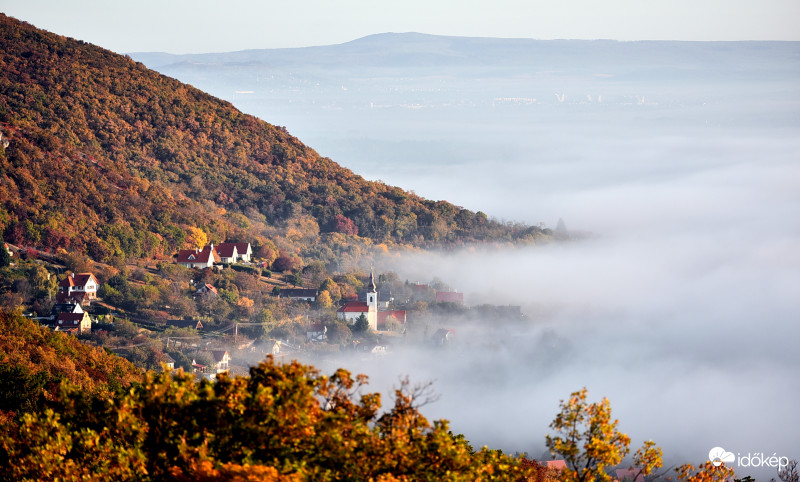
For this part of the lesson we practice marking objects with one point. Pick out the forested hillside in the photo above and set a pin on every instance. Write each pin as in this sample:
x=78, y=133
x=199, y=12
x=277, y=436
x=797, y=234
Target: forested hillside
x=107, y=157
x=35, y=360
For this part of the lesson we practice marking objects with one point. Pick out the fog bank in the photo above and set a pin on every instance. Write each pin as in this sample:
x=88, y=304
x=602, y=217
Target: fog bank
x=683, y=311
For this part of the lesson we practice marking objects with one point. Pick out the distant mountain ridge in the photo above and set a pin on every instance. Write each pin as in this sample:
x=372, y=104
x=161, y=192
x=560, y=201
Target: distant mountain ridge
x=110, y=158
x=401, y=50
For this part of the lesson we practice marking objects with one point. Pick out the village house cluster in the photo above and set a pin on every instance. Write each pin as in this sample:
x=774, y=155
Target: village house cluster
x=372, y=310
x=223, y=253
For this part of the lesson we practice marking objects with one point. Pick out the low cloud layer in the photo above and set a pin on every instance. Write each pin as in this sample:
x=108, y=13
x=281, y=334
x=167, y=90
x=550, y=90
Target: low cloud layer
x=683, y=312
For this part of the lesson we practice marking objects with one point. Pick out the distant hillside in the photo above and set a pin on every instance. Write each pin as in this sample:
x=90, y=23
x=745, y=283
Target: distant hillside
x=481, y=55
x=110, y=158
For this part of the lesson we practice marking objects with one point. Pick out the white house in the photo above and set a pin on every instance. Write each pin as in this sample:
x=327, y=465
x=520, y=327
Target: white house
x=81, y=288
x=221, y=360
x=195, y=258
x=233, y=252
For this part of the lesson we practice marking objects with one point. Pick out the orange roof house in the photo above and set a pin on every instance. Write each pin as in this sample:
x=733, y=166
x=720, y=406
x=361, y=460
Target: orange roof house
x=81, y=288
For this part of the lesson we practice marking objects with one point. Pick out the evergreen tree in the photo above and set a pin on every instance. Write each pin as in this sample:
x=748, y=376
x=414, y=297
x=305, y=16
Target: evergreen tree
x=361, y=325
x=5, y=258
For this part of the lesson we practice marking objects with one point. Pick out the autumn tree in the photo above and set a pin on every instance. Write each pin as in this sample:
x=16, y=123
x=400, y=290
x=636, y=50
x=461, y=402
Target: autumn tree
x=343, y=224
x=588, y=440
x=195, y=238
x=287, y=262
x=283, y=422
x=332, y=288
x=324, y=300
x=706, y=472
x=338, y=332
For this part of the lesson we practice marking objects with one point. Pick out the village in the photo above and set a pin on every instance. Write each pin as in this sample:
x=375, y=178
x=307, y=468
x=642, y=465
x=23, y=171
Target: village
x=220, y=309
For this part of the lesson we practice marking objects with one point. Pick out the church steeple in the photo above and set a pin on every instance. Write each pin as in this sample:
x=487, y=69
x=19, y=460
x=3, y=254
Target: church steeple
x=372, y=288
x=372, y=295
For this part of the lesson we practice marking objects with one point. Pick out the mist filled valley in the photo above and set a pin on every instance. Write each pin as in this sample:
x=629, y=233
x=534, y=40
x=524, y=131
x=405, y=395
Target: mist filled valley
x=676, y=161
x=194, y=245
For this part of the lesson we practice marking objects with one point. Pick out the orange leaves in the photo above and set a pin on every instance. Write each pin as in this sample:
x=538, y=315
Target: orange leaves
x=589, y=441
x=284, y=422
x=707, y=472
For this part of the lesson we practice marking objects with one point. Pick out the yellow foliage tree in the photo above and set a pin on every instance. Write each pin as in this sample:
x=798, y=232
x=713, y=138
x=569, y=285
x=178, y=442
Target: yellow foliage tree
x=707, y=472
x=589, y=441
x=324, y=300
x=196, y=238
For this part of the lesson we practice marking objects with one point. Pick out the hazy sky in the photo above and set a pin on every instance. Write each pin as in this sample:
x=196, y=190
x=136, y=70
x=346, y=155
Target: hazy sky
x=181, y=26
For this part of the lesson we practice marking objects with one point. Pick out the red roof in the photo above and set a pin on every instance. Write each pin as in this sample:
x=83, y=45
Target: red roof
x=79, y=279
x=556, y=464
x=400, y=315
x=81, y=297
x=207, y=288
x=197, y=256
x=226, y=250
x=242, y=248
x=69, y=319
x=354, y=307
x=449, y=297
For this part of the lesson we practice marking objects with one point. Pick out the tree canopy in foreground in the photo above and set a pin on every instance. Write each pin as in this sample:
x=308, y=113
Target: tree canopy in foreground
x=283, y=422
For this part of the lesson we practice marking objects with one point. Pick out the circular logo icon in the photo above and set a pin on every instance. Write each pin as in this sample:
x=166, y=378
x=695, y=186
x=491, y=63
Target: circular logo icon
x=718, y=456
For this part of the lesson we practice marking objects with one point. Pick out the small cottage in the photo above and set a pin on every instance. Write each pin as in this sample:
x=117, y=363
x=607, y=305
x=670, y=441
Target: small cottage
x=199, y=259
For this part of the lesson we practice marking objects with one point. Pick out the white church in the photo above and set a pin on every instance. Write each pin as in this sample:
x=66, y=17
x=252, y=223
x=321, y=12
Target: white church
x=354, y=309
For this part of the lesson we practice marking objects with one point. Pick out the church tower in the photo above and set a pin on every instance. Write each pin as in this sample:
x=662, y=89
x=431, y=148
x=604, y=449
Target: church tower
x=372, y=302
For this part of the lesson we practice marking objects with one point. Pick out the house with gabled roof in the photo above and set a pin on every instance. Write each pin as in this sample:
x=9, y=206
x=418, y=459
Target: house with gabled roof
x=302, y=294
x=244, y=251
x=168, y=361
x=222, y=360
x=235, y=252
x=79, y=288
x=206, y=289
x=73, y=323
x=199, y=259
x=227, y=253
x=68, y=307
